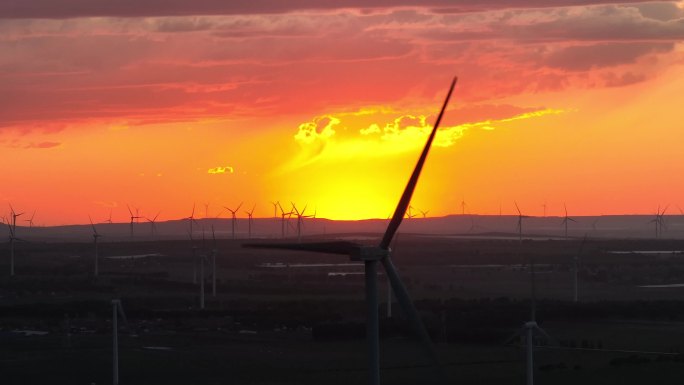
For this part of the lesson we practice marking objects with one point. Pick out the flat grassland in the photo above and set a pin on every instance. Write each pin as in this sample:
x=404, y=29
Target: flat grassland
x=283, y=317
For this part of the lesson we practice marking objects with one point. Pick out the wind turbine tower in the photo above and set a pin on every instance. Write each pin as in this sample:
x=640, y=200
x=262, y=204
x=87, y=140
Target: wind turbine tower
x=117, y=311
x=96, y=235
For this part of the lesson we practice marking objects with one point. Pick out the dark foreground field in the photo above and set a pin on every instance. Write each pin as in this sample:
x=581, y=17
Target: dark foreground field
x=278, y=320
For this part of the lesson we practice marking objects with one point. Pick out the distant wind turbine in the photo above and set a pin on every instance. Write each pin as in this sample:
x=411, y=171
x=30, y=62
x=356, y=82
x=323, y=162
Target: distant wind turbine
x=249, y=221
x=30, y=220
x=275, y=208
x=13, y=236
x=520, y=220
x=233, y=219
x=153, y=224
x=566, y=219
x=96, y=235
x=109, y=220
x=133, y=217
x=192, y=220
x=463, y=205
x=424, y=213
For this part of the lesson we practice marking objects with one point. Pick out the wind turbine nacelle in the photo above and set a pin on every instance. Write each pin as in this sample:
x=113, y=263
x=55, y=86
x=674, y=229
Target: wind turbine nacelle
x=369, y=253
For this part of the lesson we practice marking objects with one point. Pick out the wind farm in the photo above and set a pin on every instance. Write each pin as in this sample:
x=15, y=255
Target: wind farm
x=300, y=193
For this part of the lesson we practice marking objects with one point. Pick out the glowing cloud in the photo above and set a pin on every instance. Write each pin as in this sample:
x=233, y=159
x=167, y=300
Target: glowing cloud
x=401, y=134
x=221, y=170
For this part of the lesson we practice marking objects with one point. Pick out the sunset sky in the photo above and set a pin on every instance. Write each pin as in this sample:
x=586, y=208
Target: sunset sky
x=164, y=104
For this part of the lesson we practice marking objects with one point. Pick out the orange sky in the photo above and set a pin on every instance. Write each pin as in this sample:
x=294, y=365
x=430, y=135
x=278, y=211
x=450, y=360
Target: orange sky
x=164, y=105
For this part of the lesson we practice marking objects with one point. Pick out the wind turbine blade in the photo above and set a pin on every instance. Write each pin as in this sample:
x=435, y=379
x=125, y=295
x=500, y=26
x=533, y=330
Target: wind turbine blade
x=193, y=211
x=517, y=208
x=334, y=247
x=240, y=205
x=410, y=311
x=129, y=210
x=514, y=336
x=408, y=191
x=545, y=334
x=91, y=224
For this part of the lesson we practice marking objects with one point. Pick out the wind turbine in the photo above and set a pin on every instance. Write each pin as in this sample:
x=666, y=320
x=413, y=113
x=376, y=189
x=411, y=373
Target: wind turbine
x=117, y=311
x=424, y=213
x=153, y=224
x=409, y=212
x=30, y=220
x=566, y=219
x=463, y=205
x=249, y=221
x=520, y=220
x=96, y=235
x=275, y=208
x=133, y=217
x=659, y=221
x=371, y=255
x=283, y=214
x=109, y=220
x=300, y=220
x=544, y=206
x=529, y=329
x=191, y=218
x=13, y=236
x=234, y=219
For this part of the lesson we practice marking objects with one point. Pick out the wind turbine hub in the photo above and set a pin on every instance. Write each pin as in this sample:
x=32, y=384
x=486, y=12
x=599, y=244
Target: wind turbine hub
x=369, y=253
x=531, y=324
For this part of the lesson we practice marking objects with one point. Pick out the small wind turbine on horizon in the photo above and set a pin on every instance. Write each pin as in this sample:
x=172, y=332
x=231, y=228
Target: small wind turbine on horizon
x=13, y=236
x=249, y=221
x=153, y=224
x=30, y=220
x=233, y=217
x=192, y=220
x=300, y=220
x=134, y=218
x=463, y=205
x=424, y=213
x=109, y=220
x=659, y=221
x=520, y=220
x=96, y=235
x=371, y=255
x=283, y=214
x=566, y=219
x=275, y=209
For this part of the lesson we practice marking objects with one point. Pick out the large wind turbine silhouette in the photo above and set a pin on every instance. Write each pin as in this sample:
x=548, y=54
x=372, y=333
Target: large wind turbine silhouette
x=153, y=224
x=371, y=255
